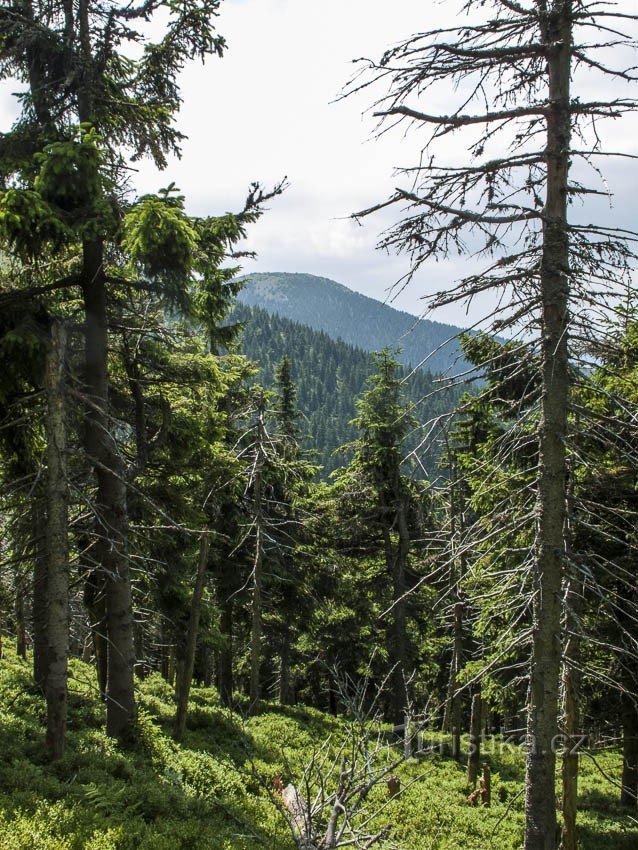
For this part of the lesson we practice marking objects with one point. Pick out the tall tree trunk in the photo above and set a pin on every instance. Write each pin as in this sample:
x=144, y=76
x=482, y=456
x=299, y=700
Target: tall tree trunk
x=110, y=550
x=453, y=716
x=285, y=696
x=184, y=676
x=396, y=563
x=629, y=792
x=20, y=617
x=95, y=601
x=454, y=696
x=225, y=681
x=40, y=590
x=396, y=632
x=57, y=651
x=208, y=668
x=165, y=653
x=542, y=727
x=256, y=604
x=399, y=646
x=256, y=622
x=571, y=696
x=569, y=771
x=474, y=754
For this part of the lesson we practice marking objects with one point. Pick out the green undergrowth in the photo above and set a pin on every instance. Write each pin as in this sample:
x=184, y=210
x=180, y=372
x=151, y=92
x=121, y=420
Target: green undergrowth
x=214, y=791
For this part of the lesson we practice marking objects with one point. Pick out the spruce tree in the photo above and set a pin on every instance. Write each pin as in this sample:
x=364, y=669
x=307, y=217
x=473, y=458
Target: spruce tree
x=383, y=422
x=87, y=104
x=510, y=67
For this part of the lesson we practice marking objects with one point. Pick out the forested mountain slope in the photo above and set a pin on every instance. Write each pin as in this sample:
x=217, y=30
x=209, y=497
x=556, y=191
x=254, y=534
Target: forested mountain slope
x=343, y=314
x=214, y=791
x=330, y=375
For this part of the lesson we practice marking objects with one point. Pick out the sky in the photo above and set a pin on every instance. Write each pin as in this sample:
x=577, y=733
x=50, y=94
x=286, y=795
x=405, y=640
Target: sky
x=270, y=109
x=267, y=110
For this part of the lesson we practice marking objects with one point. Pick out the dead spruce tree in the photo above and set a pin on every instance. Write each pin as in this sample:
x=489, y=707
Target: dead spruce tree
x=335, y=801
x=530, y=136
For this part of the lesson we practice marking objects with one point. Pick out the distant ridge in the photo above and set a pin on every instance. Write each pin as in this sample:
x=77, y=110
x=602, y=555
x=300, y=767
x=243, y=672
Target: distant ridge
x=328, y=306
x=330, y=375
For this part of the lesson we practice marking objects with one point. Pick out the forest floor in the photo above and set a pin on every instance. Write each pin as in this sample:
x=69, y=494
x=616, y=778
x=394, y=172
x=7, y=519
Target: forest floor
x=215, y=792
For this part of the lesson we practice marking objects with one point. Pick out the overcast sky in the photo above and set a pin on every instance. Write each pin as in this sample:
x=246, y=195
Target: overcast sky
x=267, y=110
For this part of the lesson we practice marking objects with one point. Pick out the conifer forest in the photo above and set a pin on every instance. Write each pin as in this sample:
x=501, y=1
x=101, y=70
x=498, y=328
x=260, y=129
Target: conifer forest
x=262, y=585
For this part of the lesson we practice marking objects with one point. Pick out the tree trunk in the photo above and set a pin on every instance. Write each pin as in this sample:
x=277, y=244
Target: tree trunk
x=172, y=665
x=570, y=757
x=110, y=550
x=396, y=562
x=20, y=618
x=396, y=632
x=185, y=672
x=333, y=703
x=208, y=669
x=57, y=651
x=629, y=792
x=454, y=696
x=256, y=605
x=94, y=599
x=452, y=719
x=474, y=754
x=165, y=654
x=225, y=659
x=571, y=711
x=40, y=590
x=256, y=624
x=542, y=727
x=285, y=697
x=629, y=716
x=486, y=786
x=399, y=646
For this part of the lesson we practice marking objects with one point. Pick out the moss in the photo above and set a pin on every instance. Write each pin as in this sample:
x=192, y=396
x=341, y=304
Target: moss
x=211, y=793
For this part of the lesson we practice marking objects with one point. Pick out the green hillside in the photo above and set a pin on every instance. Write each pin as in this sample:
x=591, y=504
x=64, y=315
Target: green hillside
x=343, y=314
x=330, y=375
x=215, y=791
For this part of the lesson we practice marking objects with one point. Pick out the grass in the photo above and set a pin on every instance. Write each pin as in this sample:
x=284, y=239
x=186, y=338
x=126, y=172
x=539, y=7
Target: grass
x=211, y=792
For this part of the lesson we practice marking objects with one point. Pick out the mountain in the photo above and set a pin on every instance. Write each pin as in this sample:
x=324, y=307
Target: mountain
x=330, y=375
x=327, y=306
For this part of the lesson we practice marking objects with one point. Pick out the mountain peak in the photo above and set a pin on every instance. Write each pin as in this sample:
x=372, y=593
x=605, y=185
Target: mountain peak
x=357, y=319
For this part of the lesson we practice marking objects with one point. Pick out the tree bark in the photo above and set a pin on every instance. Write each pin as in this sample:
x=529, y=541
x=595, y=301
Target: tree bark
x=393, y=513
x=40, y=590
x=542, y=727
x=571, y=704
x=20, y=618
x=285, y=696
x=256, y=623
x=571, y=715
x=94, y=599
x=256, y=604
x=474, y=754
x=110, y=549
x=163, y=666
x=486, y=786
x=452, y=719
x=57, y=651
x=454, y=697
x=396, y=645
x=225, y=660
x=184, y=676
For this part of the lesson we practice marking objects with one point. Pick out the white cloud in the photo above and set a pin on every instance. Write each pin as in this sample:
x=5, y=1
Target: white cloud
x=265, y=111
